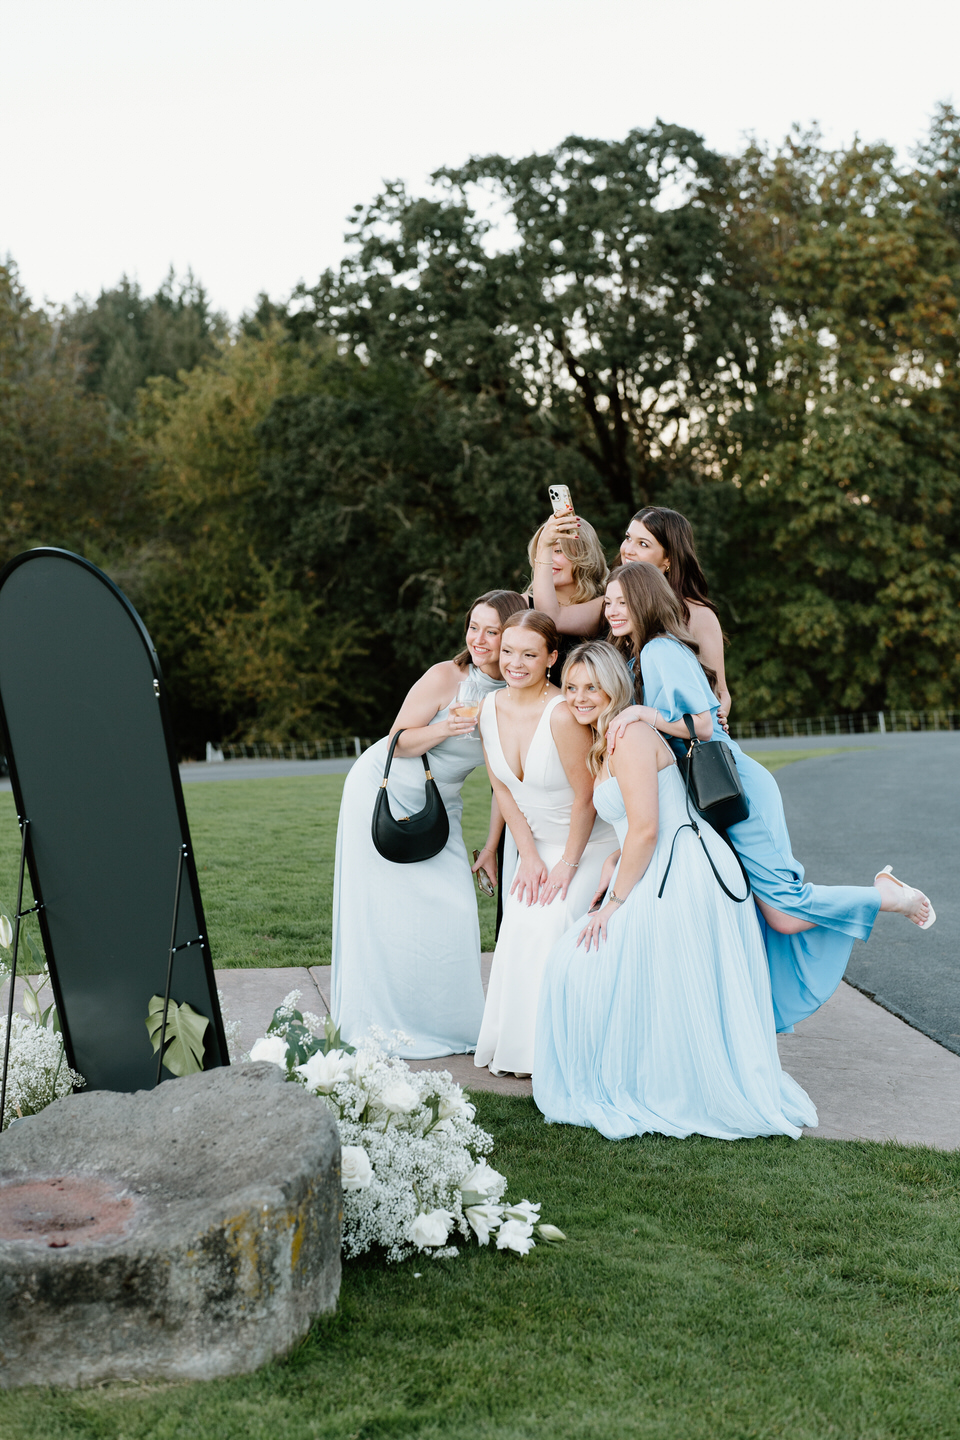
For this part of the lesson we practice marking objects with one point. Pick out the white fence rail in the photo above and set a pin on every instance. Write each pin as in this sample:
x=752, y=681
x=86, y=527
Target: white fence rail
x=344, y=747
x=865, y=722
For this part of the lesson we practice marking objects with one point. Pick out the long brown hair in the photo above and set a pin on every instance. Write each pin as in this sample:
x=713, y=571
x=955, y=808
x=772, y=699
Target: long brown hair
x=505, y=602
x=654, y=609
x=588, y=563
x=684, y=574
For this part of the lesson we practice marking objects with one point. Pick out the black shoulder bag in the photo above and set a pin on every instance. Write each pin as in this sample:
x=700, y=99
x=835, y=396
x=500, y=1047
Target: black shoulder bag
x=715, y=791
x=412, y=837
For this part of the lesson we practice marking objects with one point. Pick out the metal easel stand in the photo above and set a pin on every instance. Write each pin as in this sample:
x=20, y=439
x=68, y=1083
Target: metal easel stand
x=184, y=945
x=21, y=914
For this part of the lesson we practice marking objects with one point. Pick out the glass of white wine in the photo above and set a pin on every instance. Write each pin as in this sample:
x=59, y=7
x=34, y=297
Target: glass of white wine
x=466, y=702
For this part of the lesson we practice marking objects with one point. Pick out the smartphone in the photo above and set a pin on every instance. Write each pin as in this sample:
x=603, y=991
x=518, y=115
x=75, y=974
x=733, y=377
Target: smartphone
x=560, y=499
x=484, y=883
x=598, y=904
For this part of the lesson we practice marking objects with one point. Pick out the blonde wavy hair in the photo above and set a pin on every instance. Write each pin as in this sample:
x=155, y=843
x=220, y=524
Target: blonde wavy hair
x=587, y=560
x=608, y=671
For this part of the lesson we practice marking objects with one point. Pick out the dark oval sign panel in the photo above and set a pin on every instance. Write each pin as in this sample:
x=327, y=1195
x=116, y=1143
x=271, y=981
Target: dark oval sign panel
x=86, y=730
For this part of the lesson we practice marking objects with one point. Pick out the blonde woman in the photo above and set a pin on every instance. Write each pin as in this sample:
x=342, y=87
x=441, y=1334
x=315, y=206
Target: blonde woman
x=655, y=1011
x=568, y=568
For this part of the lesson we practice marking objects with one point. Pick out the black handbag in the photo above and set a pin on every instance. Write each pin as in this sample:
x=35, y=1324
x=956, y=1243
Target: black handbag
x=715, y=792
x=412, y=837
x=710, y=774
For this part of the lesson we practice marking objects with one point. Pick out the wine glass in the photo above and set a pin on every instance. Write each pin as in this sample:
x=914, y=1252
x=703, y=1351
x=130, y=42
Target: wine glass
x=466, y=702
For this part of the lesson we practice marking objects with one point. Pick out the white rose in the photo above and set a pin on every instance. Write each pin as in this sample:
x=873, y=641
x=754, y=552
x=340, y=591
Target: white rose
x=514, y=1235
x=321, y=1072
x=399, y=1098
x=356, y=1172
x=527, y=1212
x=6, y=933
x=482, y=1219
x=453, y=1105
x=430, y=1229
x=484, y=1180
x=272, y=1048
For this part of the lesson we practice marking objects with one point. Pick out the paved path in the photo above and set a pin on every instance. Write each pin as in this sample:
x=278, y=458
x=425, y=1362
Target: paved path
x=870, y=1076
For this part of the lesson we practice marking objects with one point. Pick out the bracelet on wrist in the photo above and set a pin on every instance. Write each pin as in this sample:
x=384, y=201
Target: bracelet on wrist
x=574, y=864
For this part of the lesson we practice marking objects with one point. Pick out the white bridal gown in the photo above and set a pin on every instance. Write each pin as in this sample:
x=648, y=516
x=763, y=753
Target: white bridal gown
x=406, y=938
x=528, y=933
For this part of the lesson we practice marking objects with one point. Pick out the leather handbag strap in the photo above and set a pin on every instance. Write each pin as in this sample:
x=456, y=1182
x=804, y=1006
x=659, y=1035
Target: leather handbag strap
x=386, y=768
x=691, y=824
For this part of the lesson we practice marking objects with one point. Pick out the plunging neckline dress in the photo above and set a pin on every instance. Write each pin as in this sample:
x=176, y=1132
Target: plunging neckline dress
x=528, y=933
x=406, y=938
x=669, y=1027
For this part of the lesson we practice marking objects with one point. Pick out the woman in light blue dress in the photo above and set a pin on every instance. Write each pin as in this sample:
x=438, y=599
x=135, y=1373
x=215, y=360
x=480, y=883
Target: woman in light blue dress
x=406, y=938
x=808, y=930
x=667, y=1025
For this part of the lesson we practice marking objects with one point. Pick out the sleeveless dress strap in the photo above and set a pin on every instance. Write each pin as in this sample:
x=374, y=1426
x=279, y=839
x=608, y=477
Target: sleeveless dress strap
x=665, y=741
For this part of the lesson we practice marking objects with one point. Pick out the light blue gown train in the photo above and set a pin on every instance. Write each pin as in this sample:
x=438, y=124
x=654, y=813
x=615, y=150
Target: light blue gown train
x=669, y=1027
x=805, y=969
x=406, y=938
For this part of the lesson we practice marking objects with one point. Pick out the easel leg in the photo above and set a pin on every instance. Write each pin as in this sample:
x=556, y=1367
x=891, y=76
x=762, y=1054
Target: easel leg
x=173, y=941
x=13, y=970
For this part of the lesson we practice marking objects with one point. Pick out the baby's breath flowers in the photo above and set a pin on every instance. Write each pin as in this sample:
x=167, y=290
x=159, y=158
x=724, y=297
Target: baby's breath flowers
x=413, y=1165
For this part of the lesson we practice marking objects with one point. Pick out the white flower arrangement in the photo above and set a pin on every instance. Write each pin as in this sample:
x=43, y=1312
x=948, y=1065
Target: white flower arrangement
x=38, y=1073
x=412, y=1159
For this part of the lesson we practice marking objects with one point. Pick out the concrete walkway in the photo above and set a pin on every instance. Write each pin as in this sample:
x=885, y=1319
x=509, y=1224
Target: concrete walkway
x=871, y=1076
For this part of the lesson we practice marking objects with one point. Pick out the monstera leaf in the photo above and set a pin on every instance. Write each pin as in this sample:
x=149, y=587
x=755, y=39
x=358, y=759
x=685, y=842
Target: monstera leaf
x=183, y=1046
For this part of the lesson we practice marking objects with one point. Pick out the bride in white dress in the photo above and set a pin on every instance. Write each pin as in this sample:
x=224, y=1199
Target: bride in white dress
x=536, y=756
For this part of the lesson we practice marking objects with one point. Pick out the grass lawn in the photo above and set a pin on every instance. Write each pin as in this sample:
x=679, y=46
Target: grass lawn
x=265, y=851
x=709, y=1290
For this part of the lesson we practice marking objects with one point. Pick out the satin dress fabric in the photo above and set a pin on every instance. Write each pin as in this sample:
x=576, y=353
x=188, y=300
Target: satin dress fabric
x=669, y=1027
x=406, y=938
x=528, y=932
x=805, y=969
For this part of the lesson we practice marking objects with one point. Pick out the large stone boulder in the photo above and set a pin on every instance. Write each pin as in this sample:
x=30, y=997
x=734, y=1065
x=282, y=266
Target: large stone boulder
x=184, y=1232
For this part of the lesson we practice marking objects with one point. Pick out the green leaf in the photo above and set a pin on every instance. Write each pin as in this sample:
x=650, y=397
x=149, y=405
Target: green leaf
x=183, y=1049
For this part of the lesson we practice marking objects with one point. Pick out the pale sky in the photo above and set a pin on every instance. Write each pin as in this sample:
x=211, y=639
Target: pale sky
x=235, y=136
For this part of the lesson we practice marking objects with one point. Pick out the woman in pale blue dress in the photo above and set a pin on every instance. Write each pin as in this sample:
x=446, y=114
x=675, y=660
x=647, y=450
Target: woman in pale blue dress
x=406, y=938
x=667, y=1026
x=808, y=930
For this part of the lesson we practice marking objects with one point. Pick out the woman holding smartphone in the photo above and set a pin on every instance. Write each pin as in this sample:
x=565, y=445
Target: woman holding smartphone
x=655, y=536
x=406, y=939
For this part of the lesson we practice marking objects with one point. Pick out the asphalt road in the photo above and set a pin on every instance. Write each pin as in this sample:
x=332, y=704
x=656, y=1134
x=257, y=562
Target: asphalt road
x=895, y=801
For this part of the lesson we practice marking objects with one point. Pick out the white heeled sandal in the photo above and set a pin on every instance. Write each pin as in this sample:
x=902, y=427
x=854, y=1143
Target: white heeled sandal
x=908, y=891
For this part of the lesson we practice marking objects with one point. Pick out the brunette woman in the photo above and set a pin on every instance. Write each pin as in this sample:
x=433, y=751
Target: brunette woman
x=655, y=536
x=536, y=758
x=406, y=939
x=809, y=930
x=667, y=1026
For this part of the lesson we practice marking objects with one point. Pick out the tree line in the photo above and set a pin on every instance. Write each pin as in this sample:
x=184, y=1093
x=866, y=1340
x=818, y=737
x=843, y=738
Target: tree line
x=302, y=505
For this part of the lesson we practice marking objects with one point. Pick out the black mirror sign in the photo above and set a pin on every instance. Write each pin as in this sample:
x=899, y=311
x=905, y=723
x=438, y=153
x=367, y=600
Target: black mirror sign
x=85, y=729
